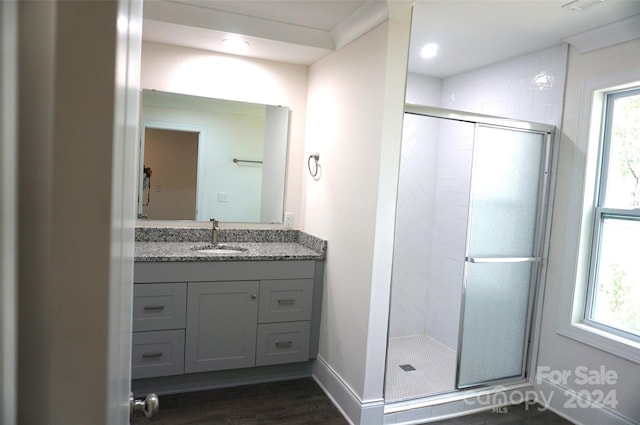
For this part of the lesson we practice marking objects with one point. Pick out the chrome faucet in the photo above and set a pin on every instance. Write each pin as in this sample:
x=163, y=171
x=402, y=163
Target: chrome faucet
x=214, y=231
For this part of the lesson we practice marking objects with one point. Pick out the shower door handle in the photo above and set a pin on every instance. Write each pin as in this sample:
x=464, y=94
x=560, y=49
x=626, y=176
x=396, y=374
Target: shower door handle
x=503, y=259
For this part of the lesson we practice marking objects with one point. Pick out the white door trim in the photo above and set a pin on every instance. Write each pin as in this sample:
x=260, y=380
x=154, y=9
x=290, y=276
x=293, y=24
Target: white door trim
x=8, y=215
x=123, y=208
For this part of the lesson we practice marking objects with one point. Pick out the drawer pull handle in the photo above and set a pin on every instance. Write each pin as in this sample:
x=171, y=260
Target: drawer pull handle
x=153, y=307
x=284, y=344
x=151, y=355
x=287, y=301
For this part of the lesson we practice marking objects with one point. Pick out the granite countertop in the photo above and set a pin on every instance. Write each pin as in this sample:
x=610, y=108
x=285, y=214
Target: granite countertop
x=173, y=244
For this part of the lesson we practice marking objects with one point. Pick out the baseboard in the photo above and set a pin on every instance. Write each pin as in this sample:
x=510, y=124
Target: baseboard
x=570, y=405
x=220, y=379
x=355, y=411
x=466, y=402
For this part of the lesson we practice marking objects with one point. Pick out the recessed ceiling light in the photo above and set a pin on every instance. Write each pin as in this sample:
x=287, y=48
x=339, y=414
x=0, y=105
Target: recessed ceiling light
x=429, y=50
x=235, y=44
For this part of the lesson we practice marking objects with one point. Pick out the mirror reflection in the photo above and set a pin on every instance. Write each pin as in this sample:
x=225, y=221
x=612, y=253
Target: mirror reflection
x=204, y=158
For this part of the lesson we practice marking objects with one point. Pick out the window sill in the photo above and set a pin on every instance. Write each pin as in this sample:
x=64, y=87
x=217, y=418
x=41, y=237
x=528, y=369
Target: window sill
x=605, y=341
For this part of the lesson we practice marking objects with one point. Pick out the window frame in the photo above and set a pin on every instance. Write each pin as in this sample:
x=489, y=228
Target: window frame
x=601, y=213
x=571, y=263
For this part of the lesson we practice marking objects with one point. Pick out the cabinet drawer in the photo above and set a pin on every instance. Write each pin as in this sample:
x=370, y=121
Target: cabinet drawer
x=158, y=353
x=159, y=306
x=285, y=300
x=282, y=343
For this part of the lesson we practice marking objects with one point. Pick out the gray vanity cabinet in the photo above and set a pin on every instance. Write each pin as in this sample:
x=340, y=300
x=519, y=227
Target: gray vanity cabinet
x=221, y=325
x=224, y=316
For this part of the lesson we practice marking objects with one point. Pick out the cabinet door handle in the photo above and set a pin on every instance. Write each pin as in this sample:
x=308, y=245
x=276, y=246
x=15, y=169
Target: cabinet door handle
x=284, y=344
x=287, y=301
x=151, y=355
x=153, y=307
x=254, y=296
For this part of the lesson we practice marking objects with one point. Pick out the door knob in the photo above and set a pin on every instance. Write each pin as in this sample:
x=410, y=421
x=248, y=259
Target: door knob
x=149, y=406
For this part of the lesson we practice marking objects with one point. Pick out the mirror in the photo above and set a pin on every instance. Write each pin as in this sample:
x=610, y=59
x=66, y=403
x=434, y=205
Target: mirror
x=204, y=157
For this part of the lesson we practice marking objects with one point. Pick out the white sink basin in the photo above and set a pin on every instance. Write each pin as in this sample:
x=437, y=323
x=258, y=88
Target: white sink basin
x=220, y=249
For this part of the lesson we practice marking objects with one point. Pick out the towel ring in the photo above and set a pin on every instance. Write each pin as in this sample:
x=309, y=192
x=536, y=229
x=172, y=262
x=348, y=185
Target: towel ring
x=313, y=167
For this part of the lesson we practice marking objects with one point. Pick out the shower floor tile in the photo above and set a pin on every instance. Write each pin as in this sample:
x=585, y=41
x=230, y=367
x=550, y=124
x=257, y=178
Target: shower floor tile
x=434, y=364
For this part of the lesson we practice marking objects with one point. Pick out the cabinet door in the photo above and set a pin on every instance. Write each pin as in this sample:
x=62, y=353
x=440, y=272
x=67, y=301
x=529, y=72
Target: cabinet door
x=222, y=322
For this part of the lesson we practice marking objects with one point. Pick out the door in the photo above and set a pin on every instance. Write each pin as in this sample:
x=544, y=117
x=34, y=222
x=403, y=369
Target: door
x=172, y=156
x=222, y=320
x=504, y=249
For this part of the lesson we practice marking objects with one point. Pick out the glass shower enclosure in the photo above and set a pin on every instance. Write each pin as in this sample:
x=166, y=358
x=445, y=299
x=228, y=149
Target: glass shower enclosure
x=470, y=237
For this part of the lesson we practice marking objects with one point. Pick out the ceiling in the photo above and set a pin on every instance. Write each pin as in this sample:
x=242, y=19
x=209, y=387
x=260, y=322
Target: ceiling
x=470, y=33
x=292, y=31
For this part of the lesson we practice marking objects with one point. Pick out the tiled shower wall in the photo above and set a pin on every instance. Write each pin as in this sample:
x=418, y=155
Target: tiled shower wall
x=455, y=148
x=529, y=87
x=415, y=209
x=435, y=163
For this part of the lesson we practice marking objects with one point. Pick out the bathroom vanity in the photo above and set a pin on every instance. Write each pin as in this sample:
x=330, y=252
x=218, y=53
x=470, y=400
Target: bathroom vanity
x=206, y=317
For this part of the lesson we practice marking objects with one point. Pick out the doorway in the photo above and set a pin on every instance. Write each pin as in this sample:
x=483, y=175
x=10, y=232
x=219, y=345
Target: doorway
x=470, y=227
x=170, y=174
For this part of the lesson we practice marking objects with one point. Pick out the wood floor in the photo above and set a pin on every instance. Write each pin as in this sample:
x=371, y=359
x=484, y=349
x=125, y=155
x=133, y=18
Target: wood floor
x=298, y=402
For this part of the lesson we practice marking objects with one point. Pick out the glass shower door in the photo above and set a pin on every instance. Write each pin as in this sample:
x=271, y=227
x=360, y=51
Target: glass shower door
x=503, y=252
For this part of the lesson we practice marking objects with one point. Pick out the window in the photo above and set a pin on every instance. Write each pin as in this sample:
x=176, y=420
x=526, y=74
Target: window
x=613, y=294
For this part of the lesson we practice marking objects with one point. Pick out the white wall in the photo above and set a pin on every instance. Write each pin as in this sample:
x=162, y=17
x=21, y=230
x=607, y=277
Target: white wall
x=559, y=352
x=344, y=126
x=355, y=104
x=210, y=74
